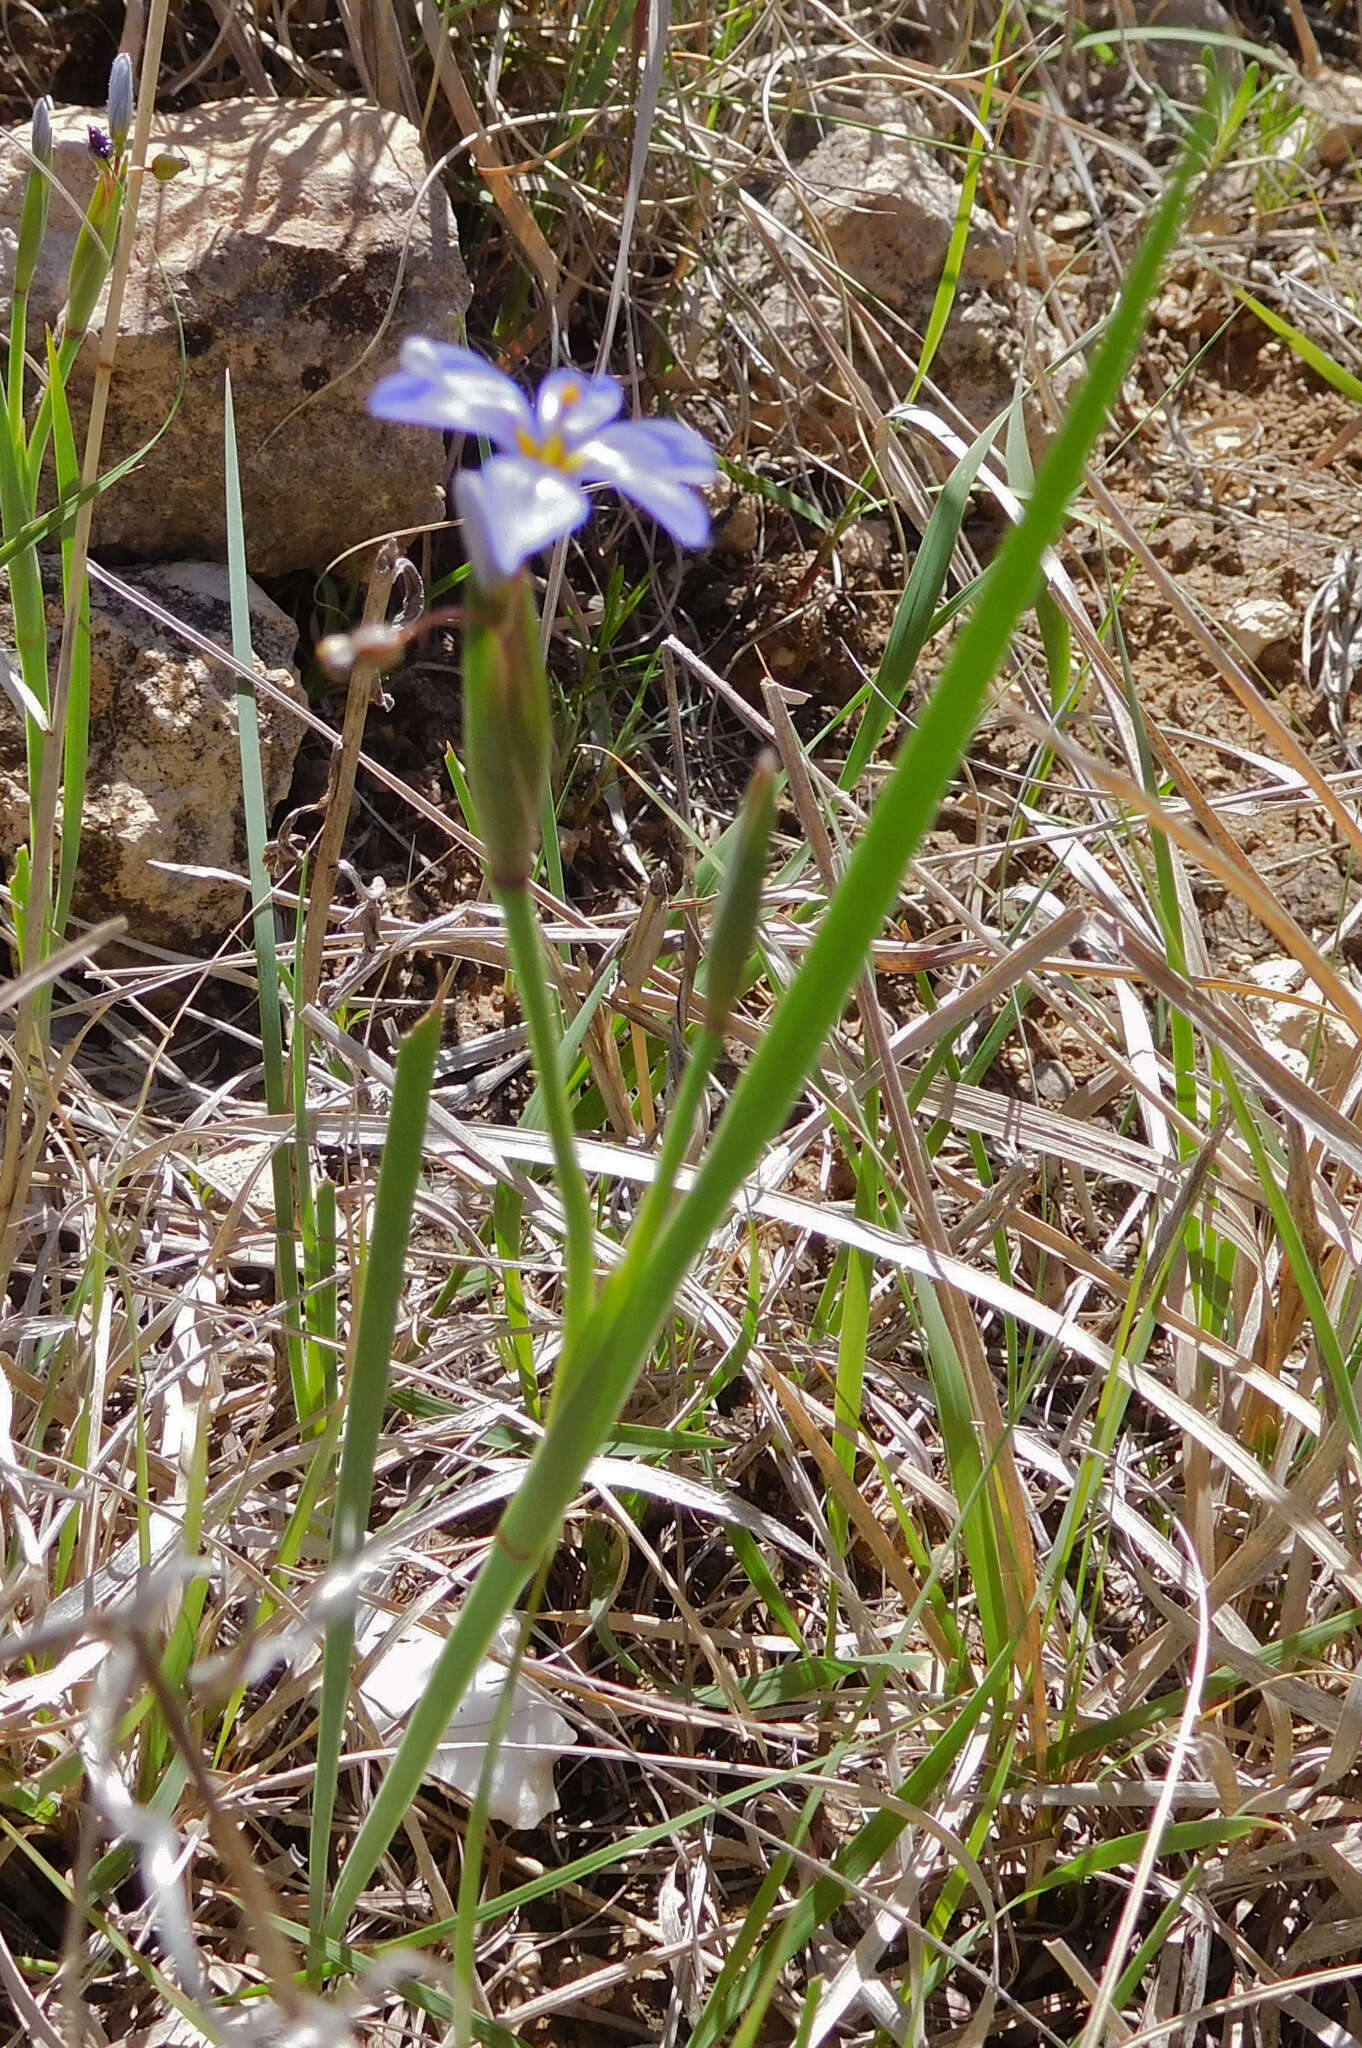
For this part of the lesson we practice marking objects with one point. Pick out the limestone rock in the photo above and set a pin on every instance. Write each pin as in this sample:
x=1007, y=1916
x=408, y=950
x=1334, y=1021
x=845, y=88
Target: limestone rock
x=879, y=208
x=164, y=781
x=297, y=251
x=1293, y=1019
x=1257, y=624
x=1334, y=100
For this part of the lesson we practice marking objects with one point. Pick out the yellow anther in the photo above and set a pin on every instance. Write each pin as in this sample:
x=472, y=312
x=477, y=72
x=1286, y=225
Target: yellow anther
x=550, y=451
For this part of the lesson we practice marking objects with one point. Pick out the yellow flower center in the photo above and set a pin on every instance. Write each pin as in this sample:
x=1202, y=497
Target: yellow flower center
x=550, y=451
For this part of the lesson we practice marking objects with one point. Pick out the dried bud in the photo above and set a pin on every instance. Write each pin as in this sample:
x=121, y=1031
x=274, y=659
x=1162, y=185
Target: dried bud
x=120, y=101
x=339, y=654
x=644, y=942
x=98, y=144
x=735, y=921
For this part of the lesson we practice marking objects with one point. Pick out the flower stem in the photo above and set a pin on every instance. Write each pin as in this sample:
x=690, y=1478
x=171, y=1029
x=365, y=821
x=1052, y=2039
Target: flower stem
x=527, y=960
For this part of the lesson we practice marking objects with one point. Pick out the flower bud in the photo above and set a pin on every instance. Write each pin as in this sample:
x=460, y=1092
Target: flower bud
x=41, y=131
x=120, y=101
x=735, y=921
x=507, y=735
x=33, y=219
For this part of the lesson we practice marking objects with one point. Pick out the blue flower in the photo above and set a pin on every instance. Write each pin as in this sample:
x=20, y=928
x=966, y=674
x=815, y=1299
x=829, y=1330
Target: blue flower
x=530, y=492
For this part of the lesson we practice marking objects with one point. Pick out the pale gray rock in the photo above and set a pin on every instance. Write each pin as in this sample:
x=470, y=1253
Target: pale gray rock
x=874, y=207
x=297, y=249
x=1334, y=102
x=1294, y=1020
x=164, y=782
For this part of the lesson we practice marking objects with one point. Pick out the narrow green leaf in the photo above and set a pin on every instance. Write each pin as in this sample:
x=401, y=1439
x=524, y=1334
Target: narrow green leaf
x=1309, y=352
x=364, y=1394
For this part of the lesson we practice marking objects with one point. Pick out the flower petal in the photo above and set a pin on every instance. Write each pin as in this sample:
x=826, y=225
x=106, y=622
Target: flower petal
x=639, y=463
x=439, y=385
x=576, y=407
x=511, y=508
x=689, y=457
x=413, y=400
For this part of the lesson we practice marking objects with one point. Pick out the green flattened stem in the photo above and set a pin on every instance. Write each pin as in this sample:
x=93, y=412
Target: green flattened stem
x=735, y=920
x=508, y=742
x=32, y=232
x=508, y=737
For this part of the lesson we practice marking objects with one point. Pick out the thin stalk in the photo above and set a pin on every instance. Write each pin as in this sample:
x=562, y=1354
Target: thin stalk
x=307, y=1388
x=341, y=785
x=537, y=1003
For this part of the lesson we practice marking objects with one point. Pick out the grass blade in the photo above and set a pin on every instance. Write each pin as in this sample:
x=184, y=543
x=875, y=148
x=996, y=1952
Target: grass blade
x=364, y=1393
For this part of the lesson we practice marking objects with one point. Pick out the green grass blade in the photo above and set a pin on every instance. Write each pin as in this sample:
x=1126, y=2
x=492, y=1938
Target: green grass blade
x=916, y=613
x=1310, y=353
x=262, y=915
x=364, y=1395
x=955, y=252
x=75, y=752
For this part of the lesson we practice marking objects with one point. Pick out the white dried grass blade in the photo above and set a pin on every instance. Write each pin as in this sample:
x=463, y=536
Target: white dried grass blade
x=19, y=694
x=12, y=1478
x=1103, y=2009
x=1347, y=1736
x=645, y=113
x=840, y=1227
x=522, y=1792
x=161, y=1852
x=22, y=1698
x=502, y=1476
x=189, y=871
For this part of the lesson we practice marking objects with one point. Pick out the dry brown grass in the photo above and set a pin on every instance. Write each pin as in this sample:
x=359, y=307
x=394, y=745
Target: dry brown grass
x=1054, y=1194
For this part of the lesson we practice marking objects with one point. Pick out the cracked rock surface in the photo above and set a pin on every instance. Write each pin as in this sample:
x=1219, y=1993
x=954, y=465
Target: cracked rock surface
x=164, y=779
x=296, y=250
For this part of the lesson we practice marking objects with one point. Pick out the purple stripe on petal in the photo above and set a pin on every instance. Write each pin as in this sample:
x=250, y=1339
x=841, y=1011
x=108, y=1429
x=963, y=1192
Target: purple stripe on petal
x=443, y=386
x=635, y=462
